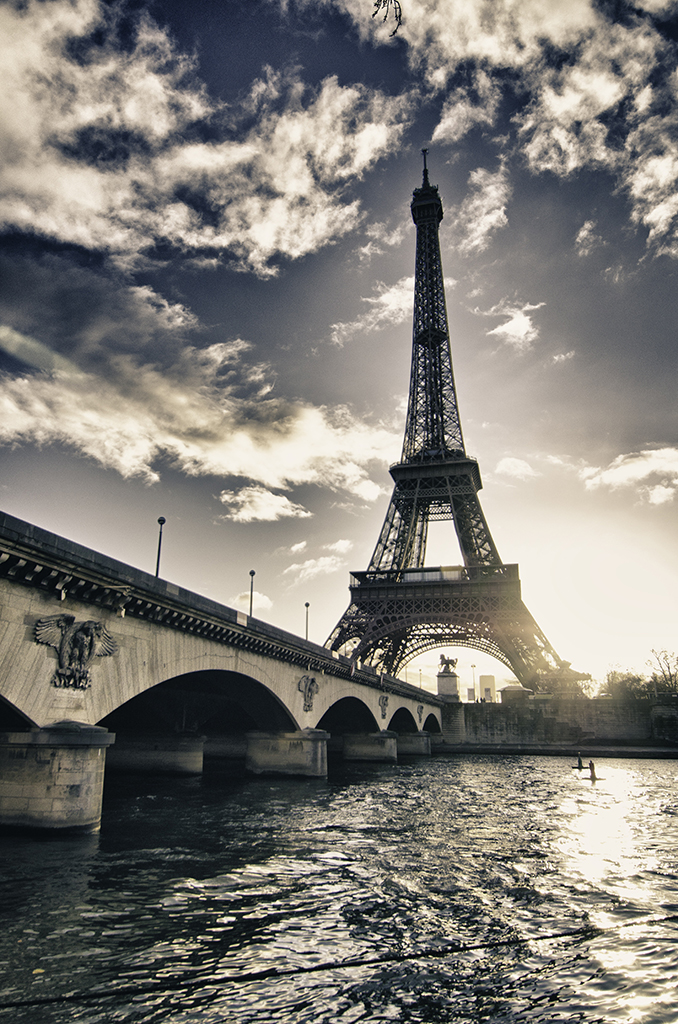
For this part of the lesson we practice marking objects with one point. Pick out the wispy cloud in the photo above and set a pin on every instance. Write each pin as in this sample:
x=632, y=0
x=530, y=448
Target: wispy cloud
x=340, y=547
x=652, y=473
x=518, y=331
x=257, y=504
x=484, y=211
x=468, y=106
x=312, y=567
x=380, y=238
x=391, y=305
x=587, y=240
x=516, y=468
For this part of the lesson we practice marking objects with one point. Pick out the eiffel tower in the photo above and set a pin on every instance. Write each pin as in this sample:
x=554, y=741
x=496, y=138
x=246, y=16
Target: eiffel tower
x=398, y=607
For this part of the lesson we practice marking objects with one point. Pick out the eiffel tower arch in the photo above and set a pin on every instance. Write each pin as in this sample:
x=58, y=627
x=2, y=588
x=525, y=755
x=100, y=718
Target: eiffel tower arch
x=399, y=608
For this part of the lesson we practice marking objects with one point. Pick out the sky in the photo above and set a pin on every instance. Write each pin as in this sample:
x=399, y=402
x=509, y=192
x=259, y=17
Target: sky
x=206, y=273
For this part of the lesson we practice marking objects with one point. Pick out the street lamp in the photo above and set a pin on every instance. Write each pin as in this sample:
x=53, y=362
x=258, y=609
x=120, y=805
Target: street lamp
x=306, y=606
x=161, y=523
x=252, y=575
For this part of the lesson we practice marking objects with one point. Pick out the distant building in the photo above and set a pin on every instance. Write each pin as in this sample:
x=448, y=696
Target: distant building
x=515, y=692
x=487, y=689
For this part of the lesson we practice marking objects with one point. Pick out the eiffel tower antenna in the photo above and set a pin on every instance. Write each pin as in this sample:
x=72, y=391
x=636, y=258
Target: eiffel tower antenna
x=399, y=608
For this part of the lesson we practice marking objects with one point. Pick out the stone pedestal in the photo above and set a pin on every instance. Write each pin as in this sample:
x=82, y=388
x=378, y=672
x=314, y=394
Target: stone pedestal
x=373, y=746
x=53, y=778
x=454, y=725
x=161, y=755
x=414, y=744
x=288, y=753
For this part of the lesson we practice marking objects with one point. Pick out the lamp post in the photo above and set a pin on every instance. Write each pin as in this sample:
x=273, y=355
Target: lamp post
x=474, y=681
x=252, y=575
x=306, y=606
x=161, y=523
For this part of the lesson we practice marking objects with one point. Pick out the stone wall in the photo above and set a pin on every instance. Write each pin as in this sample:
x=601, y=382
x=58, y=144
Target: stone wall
x=561, y=721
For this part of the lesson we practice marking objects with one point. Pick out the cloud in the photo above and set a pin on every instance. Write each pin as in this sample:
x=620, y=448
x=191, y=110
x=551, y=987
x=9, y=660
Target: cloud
x=380, y=238
x=653, y=473
x=80, y=313
x=260, y=603
x=121, y=150
x=564, y=357
x=340, y=547
x=203, y=414
x=587, y=240
x=517, y=468
x=484, y=211
x=593, y=85
x=312, y=567
x=31, y=352
x=296, y=549
x=519, y=331
x=112, y=371
x=390, y=306
x=257, y=504
x=614, y=108
x=468, y=106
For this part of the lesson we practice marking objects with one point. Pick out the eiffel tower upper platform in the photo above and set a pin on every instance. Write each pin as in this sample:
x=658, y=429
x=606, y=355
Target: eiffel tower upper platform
x=399, y=608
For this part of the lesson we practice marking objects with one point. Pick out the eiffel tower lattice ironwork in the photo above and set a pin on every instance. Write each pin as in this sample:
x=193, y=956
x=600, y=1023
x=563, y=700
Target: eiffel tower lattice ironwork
x=399, y=608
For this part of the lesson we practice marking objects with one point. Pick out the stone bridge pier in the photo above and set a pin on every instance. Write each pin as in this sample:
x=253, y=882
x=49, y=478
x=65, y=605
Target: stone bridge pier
x=103, y=665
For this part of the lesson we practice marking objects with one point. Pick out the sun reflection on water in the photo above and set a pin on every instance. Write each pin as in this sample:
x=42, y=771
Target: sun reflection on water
x=606, y=852
x=605, y=841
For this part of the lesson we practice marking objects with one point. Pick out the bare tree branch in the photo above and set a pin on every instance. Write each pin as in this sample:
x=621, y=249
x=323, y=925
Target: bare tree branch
x=385, y=6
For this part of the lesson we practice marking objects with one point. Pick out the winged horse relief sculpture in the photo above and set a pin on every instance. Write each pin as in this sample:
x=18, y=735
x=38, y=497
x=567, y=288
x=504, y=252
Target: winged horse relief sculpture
x=77, y=644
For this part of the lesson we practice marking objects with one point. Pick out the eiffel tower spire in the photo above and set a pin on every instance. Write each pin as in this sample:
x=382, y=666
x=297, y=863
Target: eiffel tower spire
x=398, y=607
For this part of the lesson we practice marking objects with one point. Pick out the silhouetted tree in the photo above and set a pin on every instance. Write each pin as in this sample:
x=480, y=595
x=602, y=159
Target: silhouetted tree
x=665, y=671
x=627, y=685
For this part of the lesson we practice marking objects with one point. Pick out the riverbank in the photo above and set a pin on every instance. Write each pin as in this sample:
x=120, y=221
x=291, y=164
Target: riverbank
x=590, y=750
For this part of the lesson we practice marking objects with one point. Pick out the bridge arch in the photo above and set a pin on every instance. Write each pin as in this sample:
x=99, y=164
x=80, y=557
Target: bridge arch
x=431, y=724
x=209, y=701
x=12, y=719
x=348, y=714
x=403, y=721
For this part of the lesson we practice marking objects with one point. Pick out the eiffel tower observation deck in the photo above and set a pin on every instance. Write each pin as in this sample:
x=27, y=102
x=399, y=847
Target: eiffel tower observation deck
x=400, y=608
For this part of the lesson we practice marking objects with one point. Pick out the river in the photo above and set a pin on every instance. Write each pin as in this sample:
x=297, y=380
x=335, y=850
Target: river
x=461, y=889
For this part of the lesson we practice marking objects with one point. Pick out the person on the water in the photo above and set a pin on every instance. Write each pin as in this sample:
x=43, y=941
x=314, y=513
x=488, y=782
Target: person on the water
x=580, y=763
x=592, y=769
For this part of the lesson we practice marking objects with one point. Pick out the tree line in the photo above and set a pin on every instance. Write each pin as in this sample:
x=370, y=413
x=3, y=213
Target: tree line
x=661, y=680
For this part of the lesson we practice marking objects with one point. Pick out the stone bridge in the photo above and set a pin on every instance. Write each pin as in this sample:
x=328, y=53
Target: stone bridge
x=102, y=663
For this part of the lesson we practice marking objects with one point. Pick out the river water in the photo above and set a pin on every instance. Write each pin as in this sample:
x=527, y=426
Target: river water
x=461, y=889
